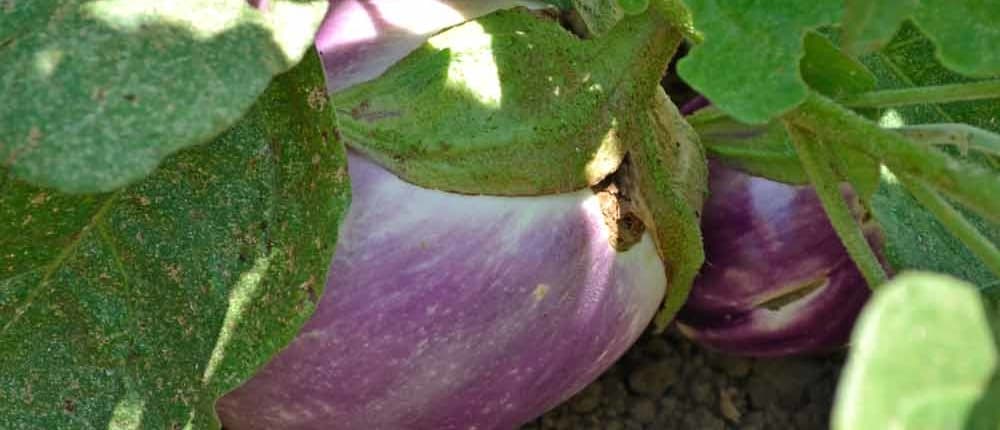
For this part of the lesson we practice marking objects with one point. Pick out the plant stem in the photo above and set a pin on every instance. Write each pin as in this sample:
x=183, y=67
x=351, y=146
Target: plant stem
x=813, y=154
x=955, y=222
x=925, y=95
x=974, y=186
x=964, y=136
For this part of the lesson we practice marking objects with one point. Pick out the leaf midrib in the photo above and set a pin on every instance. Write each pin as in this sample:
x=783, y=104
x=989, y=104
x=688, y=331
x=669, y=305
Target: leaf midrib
x=67, y=252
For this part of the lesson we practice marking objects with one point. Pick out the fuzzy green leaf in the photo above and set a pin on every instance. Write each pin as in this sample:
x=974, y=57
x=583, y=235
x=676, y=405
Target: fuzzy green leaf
x=828, y=70
x=915, y=239
x=97, y=93
x=748, y=64
x=924, y=355
x=510, y=104
x=139, y=308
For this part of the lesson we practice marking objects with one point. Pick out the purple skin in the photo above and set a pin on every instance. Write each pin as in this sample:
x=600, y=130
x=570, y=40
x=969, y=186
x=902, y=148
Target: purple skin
x=360, y=39
x=764, y=239
x=446, y=311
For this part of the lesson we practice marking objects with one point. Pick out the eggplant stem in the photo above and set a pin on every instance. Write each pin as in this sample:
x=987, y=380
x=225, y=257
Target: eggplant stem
x=955, y=222
x=971, y=185
x=813, y=154
x=934, y=94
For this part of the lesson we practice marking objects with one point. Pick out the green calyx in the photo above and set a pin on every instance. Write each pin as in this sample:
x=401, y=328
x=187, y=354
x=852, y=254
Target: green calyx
x=669, y=175
x=511, y=104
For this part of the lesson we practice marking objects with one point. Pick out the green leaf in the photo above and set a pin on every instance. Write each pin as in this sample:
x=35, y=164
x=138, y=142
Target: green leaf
x=748, y=64
x=965, y=32
x=914, y=238
x=868, y=25
x=908, y=62
x=106, y=89
x=139, y=308
x=831, y=72
x=510, y=104
x=923, y=356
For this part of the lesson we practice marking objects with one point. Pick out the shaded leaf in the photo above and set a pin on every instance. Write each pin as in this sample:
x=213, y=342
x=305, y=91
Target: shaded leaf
x=748, y=64
x=924, y=356
x=828, y=70
x=138, y=308
x=914, y=238
x=105, y=89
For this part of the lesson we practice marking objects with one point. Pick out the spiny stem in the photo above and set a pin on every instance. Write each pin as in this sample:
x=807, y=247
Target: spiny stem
x=813, y=155
x=925, y=95
x=973, y=186
x=955, y=222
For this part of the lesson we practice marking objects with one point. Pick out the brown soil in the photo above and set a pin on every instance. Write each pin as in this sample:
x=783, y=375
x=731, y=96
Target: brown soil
x=666, y=382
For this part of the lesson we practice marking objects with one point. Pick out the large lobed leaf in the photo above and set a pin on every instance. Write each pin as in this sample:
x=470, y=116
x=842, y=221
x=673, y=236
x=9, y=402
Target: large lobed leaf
x=965, y=32
x=138, y=308
x=97, y=93
x=924, y=356
x=748, y=64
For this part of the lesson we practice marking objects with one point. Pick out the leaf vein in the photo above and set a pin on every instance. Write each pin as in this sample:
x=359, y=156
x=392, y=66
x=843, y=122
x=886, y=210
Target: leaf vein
x=66, y=253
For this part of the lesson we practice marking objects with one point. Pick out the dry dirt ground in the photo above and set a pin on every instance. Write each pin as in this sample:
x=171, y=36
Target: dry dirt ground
x=667, y=383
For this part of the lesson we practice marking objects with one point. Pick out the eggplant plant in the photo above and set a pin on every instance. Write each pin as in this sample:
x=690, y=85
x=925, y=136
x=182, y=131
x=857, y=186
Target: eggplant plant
x=455, y=214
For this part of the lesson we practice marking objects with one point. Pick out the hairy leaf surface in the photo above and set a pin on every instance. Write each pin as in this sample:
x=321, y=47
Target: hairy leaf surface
x=138, y=308
x=97, y=93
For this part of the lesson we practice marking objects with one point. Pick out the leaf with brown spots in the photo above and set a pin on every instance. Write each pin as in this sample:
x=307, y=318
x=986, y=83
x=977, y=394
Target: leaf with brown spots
x=124, y=310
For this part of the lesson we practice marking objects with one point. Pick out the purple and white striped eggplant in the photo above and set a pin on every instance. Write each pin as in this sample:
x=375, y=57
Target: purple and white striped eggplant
x=776, y=280
x=506, y=240
x=449, y=311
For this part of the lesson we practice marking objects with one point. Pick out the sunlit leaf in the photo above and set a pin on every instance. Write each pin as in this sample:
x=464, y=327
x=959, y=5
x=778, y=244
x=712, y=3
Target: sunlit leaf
x=748, y=64
x=924, y=355
x=510, y=104
x=97, y=93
